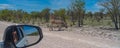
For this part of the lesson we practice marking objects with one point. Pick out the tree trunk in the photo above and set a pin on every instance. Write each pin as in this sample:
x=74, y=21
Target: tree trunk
x=116, y=23
x=79, y=23
x=119, y=21
x=72, y=19
x=82, y=17
x=73, y=23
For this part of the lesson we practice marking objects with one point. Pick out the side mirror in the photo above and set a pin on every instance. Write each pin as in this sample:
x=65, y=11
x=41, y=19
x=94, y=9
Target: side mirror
x=26, y=35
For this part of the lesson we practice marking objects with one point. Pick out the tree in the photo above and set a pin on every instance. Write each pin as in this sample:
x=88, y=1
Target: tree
x=71, y=13
x=101, y=12
x=26, y=18
x=89, y=14
x=113, y=8
x=61, y=14
x=19, y=14
x=78, y=7
x=35, y=14
x=46, y=14
x=6, y=15
x=97, y=16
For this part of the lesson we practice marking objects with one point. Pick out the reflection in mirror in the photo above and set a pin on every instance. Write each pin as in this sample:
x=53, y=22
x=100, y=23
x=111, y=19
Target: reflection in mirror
x=31, y=35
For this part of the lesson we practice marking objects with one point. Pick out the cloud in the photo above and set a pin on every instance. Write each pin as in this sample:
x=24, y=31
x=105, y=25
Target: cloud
x=57, y=4
x=94, y=7
x=98, y=6
x=4, y=6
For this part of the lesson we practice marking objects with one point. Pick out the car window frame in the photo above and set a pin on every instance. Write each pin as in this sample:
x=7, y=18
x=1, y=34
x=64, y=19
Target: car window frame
x=19, y=32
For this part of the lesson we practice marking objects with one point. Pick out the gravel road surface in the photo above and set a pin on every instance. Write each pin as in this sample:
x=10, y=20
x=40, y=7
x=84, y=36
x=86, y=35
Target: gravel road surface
x=65, y=39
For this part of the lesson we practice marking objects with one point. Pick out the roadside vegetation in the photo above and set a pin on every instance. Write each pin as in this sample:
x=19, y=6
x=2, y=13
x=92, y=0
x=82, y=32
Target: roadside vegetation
x=33, y=34
x=74, y=15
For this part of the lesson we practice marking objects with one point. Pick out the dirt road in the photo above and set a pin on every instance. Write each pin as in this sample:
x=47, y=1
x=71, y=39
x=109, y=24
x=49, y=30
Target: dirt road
x=65, y=39
x=69, y=39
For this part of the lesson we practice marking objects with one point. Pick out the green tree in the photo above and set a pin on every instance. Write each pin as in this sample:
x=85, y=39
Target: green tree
x=89, y=14
x=6, y=15
x=71, y=14
x=61, y=13
x=78, y=7
x=46, y=14
x=113, y=8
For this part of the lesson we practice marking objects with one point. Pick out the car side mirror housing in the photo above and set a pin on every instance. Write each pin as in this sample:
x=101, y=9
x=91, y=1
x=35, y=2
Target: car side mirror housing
x=25, y=35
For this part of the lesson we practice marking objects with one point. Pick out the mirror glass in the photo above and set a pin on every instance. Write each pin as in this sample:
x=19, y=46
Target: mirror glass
x=31, y=35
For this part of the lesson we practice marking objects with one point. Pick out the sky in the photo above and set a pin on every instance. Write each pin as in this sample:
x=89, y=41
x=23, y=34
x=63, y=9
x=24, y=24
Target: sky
x=29, y=30
x=38, y=5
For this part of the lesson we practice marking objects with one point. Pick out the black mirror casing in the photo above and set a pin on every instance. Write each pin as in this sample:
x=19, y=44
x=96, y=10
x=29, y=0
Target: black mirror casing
x=7, y=38
x=40, y=34
x=39, y=31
